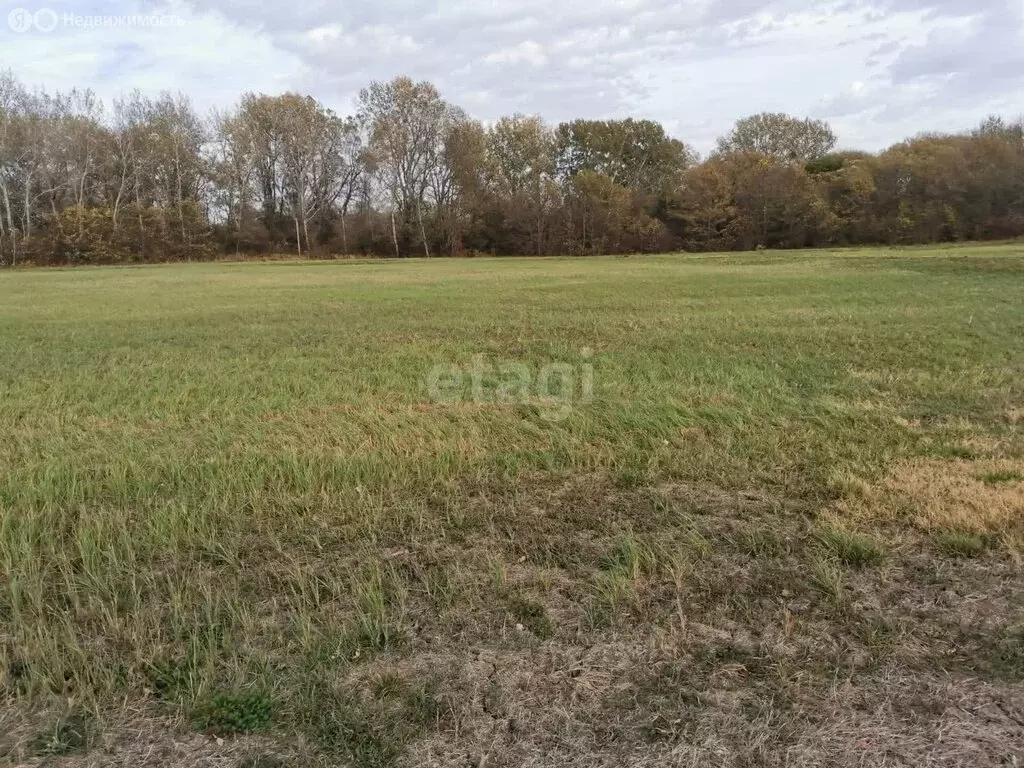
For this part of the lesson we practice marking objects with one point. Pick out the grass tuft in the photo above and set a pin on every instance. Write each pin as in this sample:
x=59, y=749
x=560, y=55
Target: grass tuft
x=960, y=544
x=631, y=557
x=828, y=580
x=68, y=736
x=851, y=549
x=380, y=605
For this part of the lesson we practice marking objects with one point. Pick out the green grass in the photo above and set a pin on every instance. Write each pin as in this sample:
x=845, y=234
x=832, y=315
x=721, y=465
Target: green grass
x=228, y=714
x=957, y=544
x=995, y=478
x=237, y=477
x=851, y=549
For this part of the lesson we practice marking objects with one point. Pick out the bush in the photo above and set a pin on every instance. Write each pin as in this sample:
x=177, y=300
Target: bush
x=82, y=235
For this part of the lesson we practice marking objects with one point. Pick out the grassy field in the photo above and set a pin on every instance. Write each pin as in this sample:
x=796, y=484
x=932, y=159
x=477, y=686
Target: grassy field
x=762, y=509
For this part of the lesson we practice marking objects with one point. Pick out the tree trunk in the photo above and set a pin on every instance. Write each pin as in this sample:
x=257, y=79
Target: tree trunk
x=238, y=222
x=120, y=194
x=10, y=222
x=138, y=208
x=81, y=197
x=394, y=233
x=56, y=217
x=423, y=231
x=540, y=230
x=28, y=207
x=181, y=196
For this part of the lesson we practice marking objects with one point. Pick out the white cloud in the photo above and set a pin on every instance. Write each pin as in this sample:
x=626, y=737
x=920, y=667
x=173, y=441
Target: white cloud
x=527, y=51
x=879, y=69
x=326, y=33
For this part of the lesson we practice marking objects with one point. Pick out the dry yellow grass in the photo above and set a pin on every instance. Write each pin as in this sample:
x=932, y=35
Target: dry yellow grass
x=937, y=495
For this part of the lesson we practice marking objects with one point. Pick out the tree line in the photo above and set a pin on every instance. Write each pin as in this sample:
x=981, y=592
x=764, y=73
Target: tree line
x=410, y=174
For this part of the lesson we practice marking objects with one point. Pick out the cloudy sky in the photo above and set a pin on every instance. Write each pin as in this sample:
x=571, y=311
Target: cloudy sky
x=878, y=70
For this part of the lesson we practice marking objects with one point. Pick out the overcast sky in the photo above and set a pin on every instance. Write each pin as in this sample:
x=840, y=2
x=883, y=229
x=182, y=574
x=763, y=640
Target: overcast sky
x=878, y=70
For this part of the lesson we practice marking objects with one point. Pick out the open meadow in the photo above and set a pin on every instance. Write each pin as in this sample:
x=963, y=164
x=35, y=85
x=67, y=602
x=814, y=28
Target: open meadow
x=753, y=509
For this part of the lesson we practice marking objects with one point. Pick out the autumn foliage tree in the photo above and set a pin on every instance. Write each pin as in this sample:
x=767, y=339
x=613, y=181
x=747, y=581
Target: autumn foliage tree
x=779, y=136
x=411, y=174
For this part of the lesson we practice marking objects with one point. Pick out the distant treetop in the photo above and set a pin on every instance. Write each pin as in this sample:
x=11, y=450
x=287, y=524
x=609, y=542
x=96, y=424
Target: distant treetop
x=780, y=136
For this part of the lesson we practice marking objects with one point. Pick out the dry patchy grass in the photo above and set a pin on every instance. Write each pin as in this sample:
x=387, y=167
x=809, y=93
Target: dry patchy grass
x=982, y=497
x=236, y=531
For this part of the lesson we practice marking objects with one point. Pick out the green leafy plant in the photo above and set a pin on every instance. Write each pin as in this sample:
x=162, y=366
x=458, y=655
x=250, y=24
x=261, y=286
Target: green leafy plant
x=533, y=617
x=227, y=714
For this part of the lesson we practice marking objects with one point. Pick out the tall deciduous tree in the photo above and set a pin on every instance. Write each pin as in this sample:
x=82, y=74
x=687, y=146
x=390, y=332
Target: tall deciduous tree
x=779, y=136
x=521, y=169
x=635, y=154
x=408, y=124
